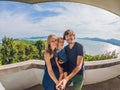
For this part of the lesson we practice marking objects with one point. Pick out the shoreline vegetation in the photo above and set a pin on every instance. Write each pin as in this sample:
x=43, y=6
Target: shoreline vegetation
x=13, y=50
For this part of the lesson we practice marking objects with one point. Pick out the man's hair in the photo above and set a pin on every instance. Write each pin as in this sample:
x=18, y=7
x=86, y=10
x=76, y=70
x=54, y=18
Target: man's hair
x=69, y=31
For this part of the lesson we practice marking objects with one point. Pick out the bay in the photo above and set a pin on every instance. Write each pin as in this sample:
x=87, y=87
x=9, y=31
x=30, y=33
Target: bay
x=92, y=47
x=97, y=47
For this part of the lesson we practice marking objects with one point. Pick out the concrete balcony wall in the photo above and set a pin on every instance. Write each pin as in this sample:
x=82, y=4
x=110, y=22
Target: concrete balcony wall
x=98, y=75
x=101, y=71
x=19, y=80
x=20, y=76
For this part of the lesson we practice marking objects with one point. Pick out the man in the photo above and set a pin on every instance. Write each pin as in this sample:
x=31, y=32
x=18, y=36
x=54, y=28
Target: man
x=75, y=55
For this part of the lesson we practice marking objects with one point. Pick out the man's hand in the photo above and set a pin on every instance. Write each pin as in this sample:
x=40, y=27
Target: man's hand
x=58, y=87
x=62, y=84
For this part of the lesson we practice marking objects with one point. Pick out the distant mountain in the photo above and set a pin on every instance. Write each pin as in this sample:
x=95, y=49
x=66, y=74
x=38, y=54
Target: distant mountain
x=111, y=41
x=114, y=41
x=37, y=37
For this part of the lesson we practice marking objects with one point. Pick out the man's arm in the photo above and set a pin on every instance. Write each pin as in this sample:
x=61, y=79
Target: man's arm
x=63, y=83
x=77, y=68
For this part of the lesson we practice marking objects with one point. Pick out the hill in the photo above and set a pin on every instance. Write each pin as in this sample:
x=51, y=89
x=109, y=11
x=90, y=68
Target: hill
x=32, y=38
x=111, y=41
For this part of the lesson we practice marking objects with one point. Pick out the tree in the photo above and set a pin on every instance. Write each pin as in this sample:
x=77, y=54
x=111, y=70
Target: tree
x=31, y=52
x=20, y=46
x=41, y=47
x=16, y=51
x=8, y=51
x=0, y=57
x=26, y=51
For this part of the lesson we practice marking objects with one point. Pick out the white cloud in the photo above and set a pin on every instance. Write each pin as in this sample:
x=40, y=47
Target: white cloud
x=87, y=21
x=39, y=8
x=17, y=25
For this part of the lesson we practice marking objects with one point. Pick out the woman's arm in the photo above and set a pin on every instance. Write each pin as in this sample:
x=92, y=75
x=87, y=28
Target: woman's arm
x=49, y=67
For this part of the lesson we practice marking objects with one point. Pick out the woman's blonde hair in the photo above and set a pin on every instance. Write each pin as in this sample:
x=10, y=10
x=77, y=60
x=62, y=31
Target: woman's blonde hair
x=48, y=47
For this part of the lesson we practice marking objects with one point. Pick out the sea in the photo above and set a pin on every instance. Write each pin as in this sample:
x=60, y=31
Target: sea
x=93, y=47
x=97, y=47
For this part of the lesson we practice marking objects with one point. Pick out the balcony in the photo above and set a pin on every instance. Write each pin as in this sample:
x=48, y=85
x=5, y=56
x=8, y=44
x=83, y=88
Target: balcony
x=99, y=75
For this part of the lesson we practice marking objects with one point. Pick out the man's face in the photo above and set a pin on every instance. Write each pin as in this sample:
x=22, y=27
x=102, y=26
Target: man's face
x=70, y=38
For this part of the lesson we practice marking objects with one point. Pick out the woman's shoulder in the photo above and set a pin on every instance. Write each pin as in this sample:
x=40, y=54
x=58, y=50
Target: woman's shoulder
x=49, y=55
x=46, y=53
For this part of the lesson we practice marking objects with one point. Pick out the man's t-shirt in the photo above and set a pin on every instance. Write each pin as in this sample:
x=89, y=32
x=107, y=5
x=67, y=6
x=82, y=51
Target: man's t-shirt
x=76, y=50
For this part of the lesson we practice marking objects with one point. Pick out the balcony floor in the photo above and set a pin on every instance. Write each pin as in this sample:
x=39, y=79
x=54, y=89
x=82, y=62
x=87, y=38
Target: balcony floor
x=112, y=84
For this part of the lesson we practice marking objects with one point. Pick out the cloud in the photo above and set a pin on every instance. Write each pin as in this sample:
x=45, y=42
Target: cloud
x=17, y=25
x=87, y=21
x=40, y=8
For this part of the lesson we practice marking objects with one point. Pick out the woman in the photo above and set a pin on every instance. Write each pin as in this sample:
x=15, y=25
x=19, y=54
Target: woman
x=51, y=70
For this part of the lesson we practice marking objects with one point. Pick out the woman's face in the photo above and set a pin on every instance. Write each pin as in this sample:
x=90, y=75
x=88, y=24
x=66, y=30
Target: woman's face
x=70, y=38
x=53, y=42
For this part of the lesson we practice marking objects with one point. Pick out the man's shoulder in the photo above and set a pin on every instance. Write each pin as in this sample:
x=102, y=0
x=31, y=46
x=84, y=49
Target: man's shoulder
x=79, y=44
x=66, y=46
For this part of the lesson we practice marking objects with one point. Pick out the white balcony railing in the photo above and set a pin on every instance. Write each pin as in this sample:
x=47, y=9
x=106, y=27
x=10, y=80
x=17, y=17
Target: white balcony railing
x=19, y=76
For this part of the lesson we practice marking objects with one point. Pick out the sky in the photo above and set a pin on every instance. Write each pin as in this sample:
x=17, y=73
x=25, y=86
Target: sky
x=19, y=20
